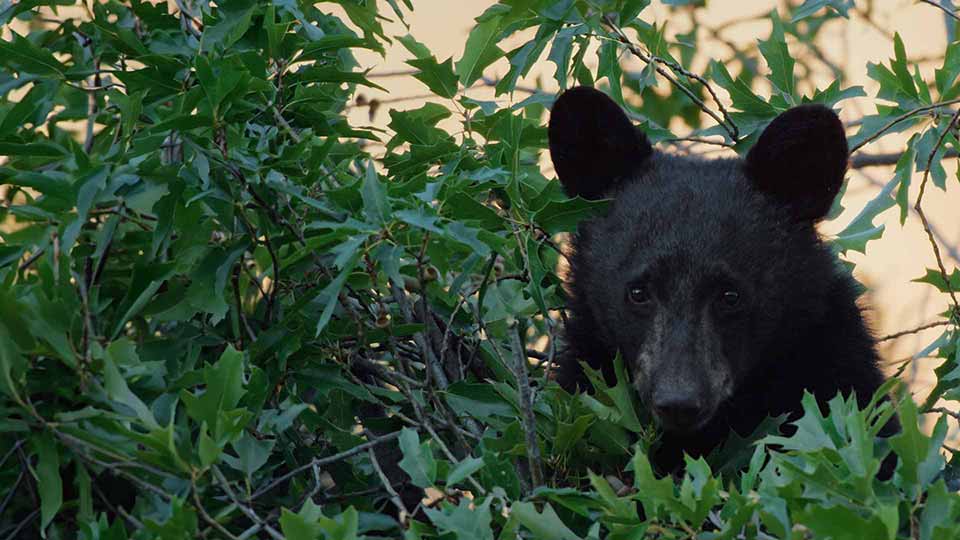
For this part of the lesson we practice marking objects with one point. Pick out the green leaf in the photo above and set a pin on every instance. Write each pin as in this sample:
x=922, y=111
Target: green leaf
x=218, y=80
x=609, y=67
x=11, y=362
x=902, y=175
x=234, y=21
x=935, y=278
x=810, y=7
x=207, y=448
x=946, y=75
x=335, y=75
x=564, y=215
x=252, y=453
x=304, y=525
x=940, y=513
x=30, y=58
x=417, y=49
x=332, y=291
x=652, y=492
x=899, y=66
x=778, y=58
x=439, y=78
x=919, y=459
x=376, y=206
x=742, y=96
x=49, y=483
x=417, y=460
x=480, y=51
x=466, y=521
x=560, y=51
x=40, y=149
x=463, y=469
x=832, y=94
x=861, y=229
x=224, y=388
x=122, y=351
x=523, y=58
x=544, y=525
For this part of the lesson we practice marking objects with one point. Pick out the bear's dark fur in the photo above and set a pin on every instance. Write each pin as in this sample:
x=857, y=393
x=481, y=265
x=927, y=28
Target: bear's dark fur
x=708, y=276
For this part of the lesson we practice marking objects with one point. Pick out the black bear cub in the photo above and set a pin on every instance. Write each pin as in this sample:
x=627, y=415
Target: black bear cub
x=708, y=276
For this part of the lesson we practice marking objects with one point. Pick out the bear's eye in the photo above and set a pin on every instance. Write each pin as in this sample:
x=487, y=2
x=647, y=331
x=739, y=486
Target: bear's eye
x=730, y=298
x=638, y=294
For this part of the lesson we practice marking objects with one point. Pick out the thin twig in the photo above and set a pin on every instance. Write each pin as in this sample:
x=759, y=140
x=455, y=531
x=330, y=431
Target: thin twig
x=13, y=489
x=901, y=118
x=941, y=410
x=941, y=7
x=926, y=224
x=10, y=452
x=453, y=459
x=861, y=160
x=726, y=122
x=30, y=260
x=116, y=509
x=319, y=462
x=698, y=140
x=394, y=496
x=206, y=517
x=30, y=517
x=187, y=20
x=914, y=330
x=244, y=508
x=285, y=125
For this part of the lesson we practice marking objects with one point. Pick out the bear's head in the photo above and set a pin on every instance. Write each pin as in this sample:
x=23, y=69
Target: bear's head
x=701, y=272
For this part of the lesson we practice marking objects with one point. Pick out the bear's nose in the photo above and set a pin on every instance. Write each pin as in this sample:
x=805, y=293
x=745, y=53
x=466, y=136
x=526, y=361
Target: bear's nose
x=678, y=410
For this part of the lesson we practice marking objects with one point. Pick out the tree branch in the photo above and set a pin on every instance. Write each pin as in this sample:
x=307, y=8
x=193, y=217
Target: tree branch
x=520, y=366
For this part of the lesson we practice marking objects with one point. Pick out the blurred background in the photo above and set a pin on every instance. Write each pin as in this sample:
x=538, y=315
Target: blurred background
x=730, y=30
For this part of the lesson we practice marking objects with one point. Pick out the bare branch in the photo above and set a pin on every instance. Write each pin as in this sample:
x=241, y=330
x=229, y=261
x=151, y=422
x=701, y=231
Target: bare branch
x=912, y=331
x=526, y=406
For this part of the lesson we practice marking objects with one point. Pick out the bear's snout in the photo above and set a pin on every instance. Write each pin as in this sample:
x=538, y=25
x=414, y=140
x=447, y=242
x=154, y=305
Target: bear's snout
x=679, y=409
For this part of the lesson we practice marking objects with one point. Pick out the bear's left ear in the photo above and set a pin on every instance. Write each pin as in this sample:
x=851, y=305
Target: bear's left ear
x=800, y=160
x=593, y=144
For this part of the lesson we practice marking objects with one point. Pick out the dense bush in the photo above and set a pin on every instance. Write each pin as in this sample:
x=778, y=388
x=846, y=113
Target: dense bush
x=225, y=315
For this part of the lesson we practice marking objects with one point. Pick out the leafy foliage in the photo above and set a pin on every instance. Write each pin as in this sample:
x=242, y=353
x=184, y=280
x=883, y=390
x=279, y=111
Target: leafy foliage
x=223, y=314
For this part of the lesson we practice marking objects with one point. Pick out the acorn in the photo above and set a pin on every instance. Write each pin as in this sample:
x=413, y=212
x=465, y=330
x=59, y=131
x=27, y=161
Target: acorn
x=411, y=284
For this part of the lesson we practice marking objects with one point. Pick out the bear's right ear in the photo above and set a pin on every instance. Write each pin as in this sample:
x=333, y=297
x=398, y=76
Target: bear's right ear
x=592, y=142
x=800, y=160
